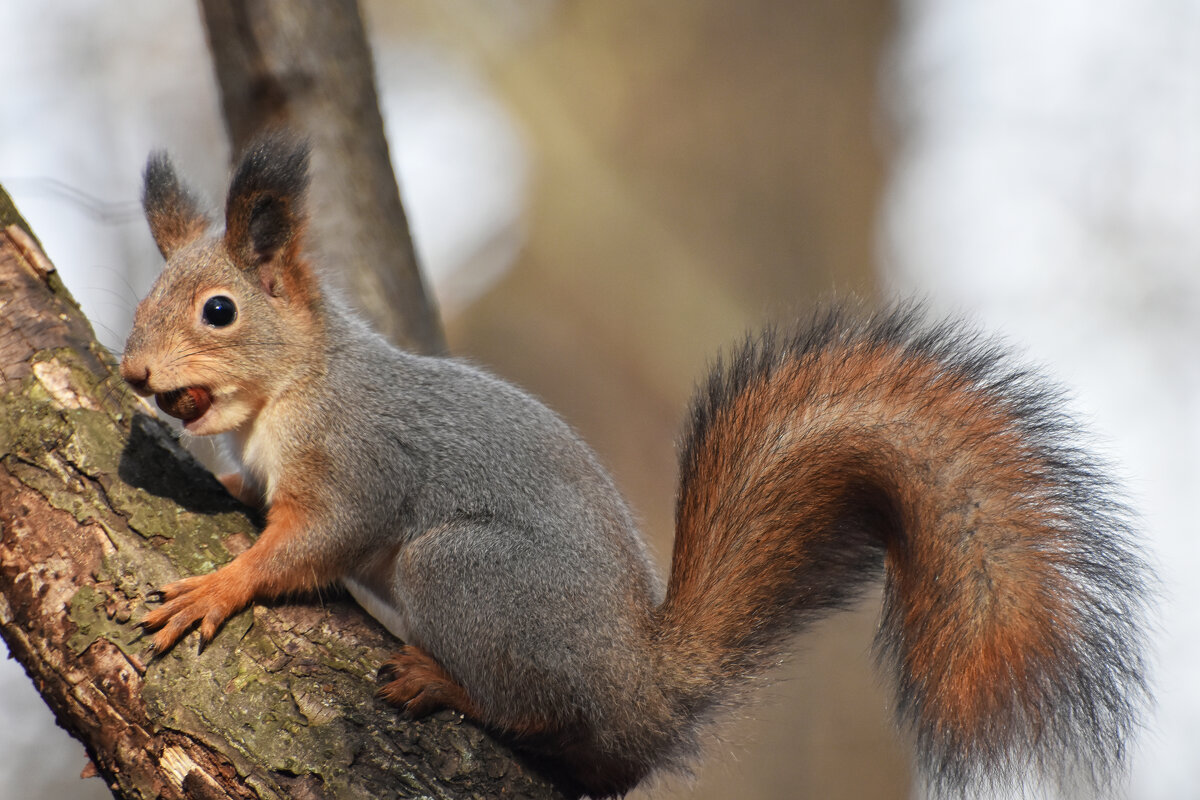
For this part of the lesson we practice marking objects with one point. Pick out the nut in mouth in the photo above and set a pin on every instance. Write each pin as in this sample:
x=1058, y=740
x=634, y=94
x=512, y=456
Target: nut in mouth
x=187, y=403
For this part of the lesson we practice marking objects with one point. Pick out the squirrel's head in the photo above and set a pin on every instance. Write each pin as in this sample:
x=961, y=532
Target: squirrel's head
x=232, y=318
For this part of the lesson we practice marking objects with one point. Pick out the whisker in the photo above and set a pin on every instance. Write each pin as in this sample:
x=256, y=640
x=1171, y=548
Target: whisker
x=108, y=212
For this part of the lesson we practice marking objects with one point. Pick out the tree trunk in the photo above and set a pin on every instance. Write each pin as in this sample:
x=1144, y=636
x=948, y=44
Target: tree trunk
x=307, y=65
x=99, y=506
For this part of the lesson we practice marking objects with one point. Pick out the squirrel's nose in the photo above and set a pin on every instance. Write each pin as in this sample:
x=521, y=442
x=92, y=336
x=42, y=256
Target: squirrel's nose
x=137, y=376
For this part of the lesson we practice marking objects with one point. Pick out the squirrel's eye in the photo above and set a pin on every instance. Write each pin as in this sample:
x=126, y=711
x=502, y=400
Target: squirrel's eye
x=219, y=311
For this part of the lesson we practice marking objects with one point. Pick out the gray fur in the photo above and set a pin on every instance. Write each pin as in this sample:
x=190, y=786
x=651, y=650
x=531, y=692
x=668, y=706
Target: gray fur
x=511, y=531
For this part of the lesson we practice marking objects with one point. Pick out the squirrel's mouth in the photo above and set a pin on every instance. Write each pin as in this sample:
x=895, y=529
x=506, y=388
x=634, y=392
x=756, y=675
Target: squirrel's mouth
x=188, y=403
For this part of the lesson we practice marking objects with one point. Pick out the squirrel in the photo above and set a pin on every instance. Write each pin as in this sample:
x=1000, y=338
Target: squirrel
x=475, y=524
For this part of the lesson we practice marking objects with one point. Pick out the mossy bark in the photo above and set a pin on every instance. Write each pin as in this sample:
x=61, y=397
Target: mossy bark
x=100, y=506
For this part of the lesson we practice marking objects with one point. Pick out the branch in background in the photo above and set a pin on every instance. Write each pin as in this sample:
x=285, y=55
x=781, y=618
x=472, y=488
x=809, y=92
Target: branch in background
x=99, y=505
x=308, y=65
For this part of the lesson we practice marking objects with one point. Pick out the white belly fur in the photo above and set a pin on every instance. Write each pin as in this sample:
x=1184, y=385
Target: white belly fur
x=387, y=614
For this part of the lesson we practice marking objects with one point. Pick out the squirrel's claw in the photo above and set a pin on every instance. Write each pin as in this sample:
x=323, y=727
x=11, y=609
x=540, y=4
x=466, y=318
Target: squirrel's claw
x=386, y=674
x=419, y=685
x=207, y=600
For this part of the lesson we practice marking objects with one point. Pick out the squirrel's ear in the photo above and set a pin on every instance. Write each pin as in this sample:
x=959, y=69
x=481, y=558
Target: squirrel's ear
x=264, y=215
x=174, y=215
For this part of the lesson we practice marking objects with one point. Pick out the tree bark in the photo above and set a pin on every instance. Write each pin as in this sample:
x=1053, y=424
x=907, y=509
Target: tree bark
x=307, y=65
x=99, y=506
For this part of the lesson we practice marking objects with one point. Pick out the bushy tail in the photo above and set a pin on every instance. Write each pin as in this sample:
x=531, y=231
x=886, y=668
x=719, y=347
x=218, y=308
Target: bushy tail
x=1014, y=596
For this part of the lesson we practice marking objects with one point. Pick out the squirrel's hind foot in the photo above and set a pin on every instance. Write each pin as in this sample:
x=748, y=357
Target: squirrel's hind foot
x=417, y=684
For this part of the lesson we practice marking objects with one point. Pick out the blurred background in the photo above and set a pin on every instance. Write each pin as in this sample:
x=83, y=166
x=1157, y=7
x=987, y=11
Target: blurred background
x=604, y=194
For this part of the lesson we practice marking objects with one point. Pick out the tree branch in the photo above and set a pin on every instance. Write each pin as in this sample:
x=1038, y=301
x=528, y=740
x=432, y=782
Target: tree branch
x=99, y=505
x=308, y=65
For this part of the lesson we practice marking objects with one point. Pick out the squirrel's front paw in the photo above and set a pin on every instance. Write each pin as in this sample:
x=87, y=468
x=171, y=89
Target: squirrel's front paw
x=419, y=685
x=208, y=599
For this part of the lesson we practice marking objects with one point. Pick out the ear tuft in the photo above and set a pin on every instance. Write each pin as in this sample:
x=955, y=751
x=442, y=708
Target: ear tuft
x=264, y=215
x=174, y=215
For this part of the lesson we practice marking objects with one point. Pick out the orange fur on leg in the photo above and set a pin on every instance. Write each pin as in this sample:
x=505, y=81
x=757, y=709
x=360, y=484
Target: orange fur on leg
x=420, y=686
x=268, y=569
x=237, y=485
